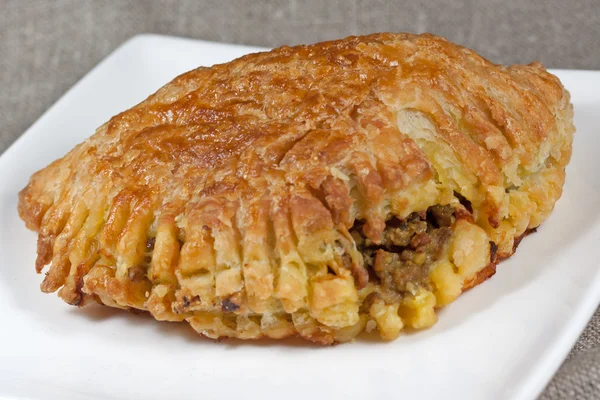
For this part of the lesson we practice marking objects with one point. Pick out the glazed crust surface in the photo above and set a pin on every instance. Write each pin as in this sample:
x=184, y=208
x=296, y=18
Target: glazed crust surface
x=227, y=198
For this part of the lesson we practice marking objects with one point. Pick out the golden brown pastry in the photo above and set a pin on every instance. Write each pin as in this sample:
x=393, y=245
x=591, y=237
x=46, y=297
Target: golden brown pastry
x=313, y=190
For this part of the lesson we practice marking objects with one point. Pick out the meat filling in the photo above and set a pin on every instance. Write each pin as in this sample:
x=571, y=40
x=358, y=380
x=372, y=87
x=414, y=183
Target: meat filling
x=408, y=248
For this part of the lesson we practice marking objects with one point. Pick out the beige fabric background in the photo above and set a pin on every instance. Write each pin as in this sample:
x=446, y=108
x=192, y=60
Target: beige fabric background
x=46, y=46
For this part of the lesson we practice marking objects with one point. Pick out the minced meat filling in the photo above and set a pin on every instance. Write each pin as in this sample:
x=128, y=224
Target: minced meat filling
x=408, y=247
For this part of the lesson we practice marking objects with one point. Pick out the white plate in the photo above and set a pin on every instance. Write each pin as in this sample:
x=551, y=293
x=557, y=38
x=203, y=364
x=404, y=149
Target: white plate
x=504, y=339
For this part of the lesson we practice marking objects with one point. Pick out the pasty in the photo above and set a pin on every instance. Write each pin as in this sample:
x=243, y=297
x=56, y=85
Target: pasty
x=318, y=191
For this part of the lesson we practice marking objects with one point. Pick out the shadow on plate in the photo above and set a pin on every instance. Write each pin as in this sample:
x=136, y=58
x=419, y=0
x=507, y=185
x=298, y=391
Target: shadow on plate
x=97, y=313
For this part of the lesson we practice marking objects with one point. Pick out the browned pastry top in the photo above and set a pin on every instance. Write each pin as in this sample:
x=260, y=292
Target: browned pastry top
x=292, y=113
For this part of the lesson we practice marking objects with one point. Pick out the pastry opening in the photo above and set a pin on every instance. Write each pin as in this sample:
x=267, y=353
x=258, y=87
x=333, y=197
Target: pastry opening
x=464, y=201
x=401, y=261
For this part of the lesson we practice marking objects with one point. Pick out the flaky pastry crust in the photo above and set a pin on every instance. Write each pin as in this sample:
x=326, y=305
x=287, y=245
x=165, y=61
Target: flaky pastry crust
x=272, y=195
